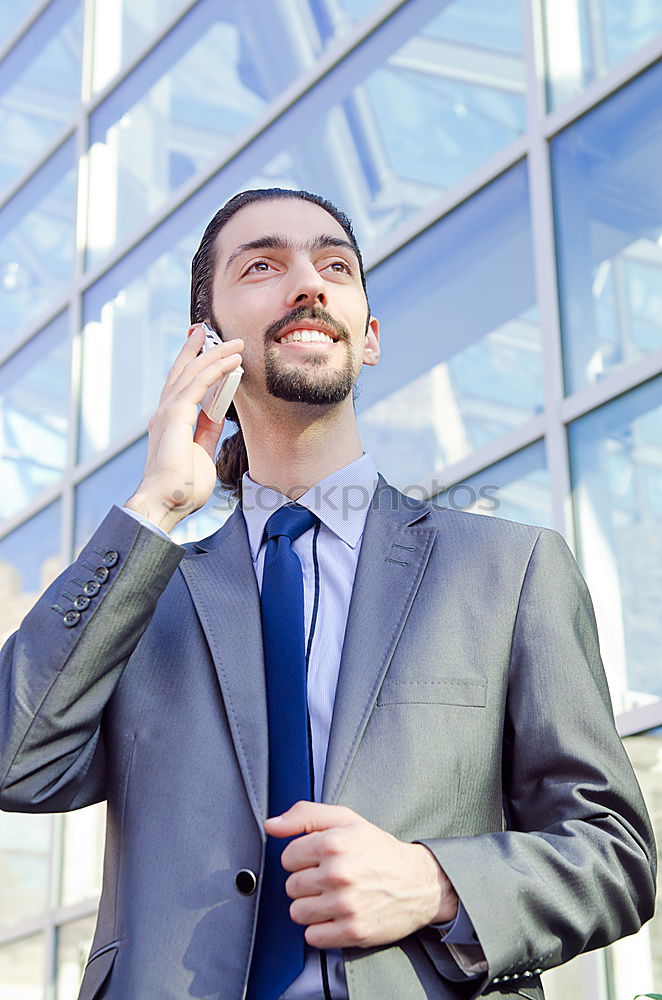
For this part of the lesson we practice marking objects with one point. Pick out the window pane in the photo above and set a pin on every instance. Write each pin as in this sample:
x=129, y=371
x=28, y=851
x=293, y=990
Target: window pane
x=12, y=15
x=82, y=854
x=30, y=559
x=112, y=484
x=585, y=38
x=616, y=455
x=609, y=232
x=121, y=29
x=22, y=969
x=37, y=231
x=210, y=517
x=39, y=87
x=461, y=361
x=73, y=945
x=382, y=135
x=636, y=961
x=136, y=318
x=516, y=488
x=34, y=389
x=24, y=851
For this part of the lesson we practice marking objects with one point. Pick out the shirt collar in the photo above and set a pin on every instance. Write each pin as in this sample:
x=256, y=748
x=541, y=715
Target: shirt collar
x=340, y=500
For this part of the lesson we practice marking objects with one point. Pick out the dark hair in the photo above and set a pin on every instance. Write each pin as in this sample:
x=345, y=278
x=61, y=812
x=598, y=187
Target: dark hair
x=232, y=460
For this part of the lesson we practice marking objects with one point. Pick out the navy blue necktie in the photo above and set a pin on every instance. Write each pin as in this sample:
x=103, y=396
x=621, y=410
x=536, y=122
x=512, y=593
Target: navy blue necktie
x=278, y=955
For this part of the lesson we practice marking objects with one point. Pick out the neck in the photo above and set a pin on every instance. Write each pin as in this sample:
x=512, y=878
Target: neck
x=297, y=445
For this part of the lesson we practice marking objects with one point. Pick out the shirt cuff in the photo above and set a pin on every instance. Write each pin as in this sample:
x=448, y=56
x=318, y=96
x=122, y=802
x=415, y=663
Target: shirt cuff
x=147, y=523
x=460, y=938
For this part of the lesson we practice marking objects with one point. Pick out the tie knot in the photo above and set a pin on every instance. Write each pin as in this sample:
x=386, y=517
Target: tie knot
x=292, y=520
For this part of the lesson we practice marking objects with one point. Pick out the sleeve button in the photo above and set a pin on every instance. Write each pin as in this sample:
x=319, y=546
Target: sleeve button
x=71, y=618
x=101, y=574
x=91, y=588
x=110, y=558
x=81, y=602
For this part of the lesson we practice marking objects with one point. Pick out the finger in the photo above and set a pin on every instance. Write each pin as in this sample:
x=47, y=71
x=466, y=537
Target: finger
x=314, y=909
x=307, y=817
x=331, y=934
x=304, y=852
x=192, y=387
x=195, y=338
x=306, y=882
x=207, y=433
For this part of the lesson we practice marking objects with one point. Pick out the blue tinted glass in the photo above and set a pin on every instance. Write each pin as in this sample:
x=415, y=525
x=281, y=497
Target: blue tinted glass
x=37, y=240
x=461, y=356
x=608, y=198
x=39, y=87
x=30, y=560
x=616, y=454
x=585, y=38
x=113, y=483
x=34, y=419
x=387, y=130
x=121, y=29
x=12, y=14
x=516, y=488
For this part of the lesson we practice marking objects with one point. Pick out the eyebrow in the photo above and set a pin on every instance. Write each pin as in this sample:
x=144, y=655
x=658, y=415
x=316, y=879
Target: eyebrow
x=275, y=241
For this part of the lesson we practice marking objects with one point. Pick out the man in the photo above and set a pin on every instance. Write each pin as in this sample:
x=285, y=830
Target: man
x=469, y=817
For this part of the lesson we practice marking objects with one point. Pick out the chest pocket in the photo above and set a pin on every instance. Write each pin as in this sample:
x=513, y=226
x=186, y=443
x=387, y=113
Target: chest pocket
x=468, y=691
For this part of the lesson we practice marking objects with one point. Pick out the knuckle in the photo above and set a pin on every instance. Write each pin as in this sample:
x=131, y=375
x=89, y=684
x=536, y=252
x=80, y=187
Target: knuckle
x=336, y=875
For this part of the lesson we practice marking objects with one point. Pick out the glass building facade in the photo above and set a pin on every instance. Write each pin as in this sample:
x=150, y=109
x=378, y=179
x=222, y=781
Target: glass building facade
x=500, y=162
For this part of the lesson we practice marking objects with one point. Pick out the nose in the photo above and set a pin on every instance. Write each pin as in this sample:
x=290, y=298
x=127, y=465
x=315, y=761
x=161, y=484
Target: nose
x=307, y=286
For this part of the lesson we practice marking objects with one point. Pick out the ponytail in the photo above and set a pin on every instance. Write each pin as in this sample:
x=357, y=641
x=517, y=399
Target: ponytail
x=232, y=460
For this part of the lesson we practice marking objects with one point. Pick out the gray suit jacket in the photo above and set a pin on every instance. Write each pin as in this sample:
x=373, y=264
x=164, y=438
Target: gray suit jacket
x=472, y=714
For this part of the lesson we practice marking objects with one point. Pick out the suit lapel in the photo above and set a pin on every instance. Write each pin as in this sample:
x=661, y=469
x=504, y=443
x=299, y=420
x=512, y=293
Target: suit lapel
x=393, y=556
x=220, y=576
x=219, y=573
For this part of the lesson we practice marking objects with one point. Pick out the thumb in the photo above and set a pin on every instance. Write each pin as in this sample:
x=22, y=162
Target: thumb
x=308, y=817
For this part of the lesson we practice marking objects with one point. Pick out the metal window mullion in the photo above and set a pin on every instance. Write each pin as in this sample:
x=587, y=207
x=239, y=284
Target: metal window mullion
x=35, y=166
x=615, y=384
x=603, y=87
x=544, y=256
x=23, y=28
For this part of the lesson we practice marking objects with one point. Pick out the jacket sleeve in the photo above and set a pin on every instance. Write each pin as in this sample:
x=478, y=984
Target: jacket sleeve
x=60, y=668
x=574, y=869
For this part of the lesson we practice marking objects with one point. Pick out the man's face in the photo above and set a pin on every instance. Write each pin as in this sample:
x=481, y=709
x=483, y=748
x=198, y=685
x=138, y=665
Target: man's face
x=283, y=266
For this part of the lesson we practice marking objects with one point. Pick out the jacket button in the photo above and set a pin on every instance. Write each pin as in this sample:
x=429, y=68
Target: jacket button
x=81, y=602
x=101, y=574
x=91, y=588
x=246, y=882
x=71, y=618
x=110, y=558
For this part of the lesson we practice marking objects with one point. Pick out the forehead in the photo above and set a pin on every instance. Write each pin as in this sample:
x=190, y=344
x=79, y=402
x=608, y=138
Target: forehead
x=292, y=217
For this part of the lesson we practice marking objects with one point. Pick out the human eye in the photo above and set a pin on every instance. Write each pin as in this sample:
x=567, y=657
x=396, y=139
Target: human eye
x=342, y=264
x=261, y=264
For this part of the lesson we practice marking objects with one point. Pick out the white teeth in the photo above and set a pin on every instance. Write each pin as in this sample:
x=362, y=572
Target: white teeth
x=308, y=336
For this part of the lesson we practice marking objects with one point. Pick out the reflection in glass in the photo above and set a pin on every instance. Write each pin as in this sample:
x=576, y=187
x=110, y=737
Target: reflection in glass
x=461, y=355
x=24, y=851
x=585, y=38
x=82, y=854
x=12, y=16
x=121, y=29
x=113, y=483
x=210, y=517
x=382, y=135
x=609, y=232
x=135, y=323
x=73, y=945
x=30, y=560
x=516, y=488
x=37, y=230
x=39, y=87
x=636, y=961
x=34, y=397
x=616, y=457
x=22, y=969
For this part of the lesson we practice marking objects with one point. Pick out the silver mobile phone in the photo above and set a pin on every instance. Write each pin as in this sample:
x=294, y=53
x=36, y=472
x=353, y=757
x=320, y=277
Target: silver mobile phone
x=218, y=397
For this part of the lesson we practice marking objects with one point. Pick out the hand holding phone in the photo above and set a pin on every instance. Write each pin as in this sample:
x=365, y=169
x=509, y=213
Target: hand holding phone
x=217, y=399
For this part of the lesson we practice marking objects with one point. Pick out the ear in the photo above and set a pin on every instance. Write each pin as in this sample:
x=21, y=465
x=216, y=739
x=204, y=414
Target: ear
x=371, y=348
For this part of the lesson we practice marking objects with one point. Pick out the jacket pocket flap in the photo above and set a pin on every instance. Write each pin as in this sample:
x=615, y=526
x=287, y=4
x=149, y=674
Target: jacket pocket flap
x=433, y=690
x=97, y=971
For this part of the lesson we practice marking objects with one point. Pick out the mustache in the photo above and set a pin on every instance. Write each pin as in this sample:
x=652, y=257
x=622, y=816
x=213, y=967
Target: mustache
x=304, y=313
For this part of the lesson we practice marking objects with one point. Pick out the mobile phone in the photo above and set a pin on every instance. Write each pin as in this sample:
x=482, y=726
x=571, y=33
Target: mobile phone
x=218, y=397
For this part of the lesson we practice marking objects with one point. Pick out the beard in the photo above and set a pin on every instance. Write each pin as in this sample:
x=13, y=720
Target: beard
x=312, y=381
